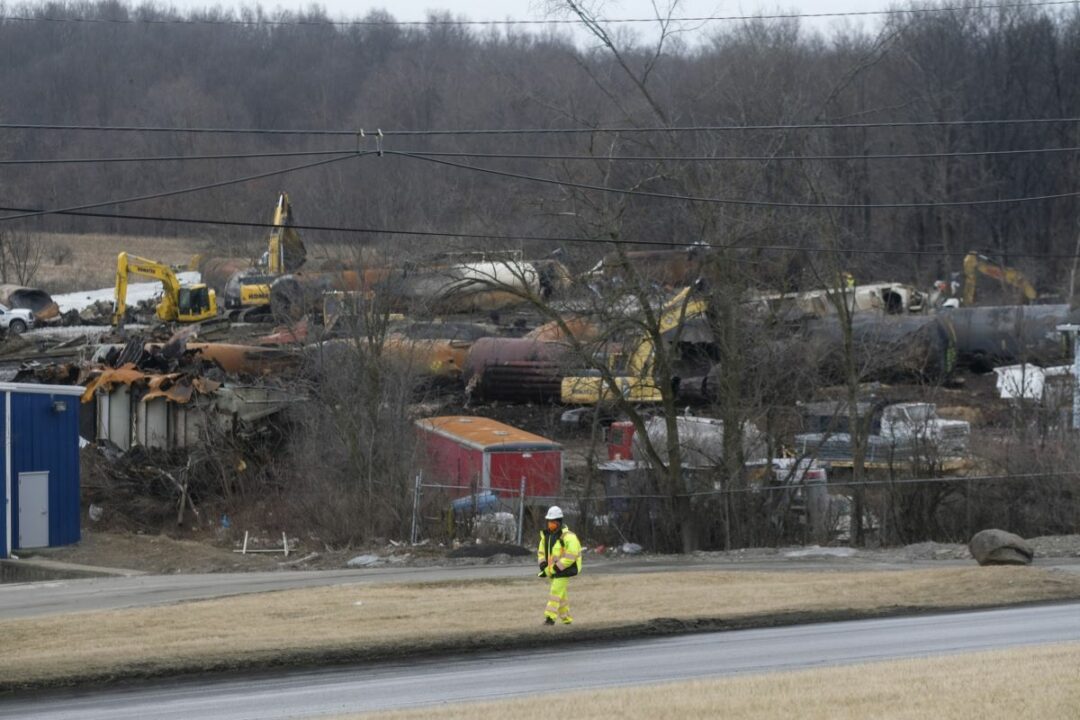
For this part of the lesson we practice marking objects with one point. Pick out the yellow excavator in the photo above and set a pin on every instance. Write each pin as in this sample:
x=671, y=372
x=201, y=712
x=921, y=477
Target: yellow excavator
x=185, y=304
x=634, y=370
x=249, y=291
x=976, y=264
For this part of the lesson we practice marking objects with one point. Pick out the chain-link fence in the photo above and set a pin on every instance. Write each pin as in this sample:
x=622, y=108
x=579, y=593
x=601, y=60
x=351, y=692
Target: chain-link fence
x=894, y=511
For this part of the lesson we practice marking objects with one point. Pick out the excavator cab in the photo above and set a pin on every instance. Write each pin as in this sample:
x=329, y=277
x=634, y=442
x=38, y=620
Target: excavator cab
x=196, y=303
x=193, y=300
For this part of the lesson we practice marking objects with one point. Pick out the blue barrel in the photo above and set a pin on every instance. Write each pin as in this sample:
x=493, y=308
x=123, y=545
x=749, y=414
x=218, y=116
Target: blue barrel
x=483, y=502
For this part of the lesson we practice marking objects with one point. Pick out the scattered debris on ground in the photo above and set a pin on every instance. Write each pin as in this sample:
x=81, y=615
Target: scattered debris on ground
x=213, y=552
x=188, y=421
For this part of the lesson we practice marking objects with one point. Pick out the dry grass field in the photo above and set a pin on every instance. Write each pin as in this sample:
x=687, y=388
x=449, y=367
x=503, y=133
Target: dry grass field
x=1037, y=682
x=88, y=262
x=354, y=622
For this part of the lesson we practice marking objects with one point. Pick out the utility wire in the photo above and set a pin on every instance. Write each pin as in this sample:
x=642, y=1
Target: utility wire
x=397, y=232
x=741, y=158
x=171, y=158
x=736, y=128
x=22, y=214
x=551, y=21
x=546, y=157
x=181, y=191
x=362, y=134
x=730, y=201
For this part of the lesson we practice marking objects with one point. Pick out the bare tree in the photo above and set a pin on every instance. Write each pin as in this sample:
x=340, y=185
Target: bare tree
x=353, y=457
x=21, y=255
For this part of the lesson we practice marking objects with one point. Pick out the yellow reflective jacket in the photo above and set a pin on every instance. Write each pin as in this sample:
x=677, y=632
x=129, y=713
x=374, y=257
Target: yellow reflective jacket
x=561, y=551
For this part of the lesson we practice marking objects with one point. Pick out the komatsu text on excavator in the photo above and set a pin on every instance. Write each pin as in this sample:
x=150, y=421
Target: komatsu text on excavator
x=186, y=304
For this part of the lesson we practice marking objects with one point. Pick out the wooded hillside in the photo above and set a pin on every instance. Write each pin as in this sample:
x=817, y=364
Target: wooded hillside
x=249, y=70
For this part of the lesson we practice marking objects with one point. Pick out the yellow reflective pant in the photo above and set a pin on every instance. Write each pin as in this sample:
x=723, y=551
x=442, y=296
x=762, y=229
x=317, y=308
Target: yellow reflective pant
x=558, y=606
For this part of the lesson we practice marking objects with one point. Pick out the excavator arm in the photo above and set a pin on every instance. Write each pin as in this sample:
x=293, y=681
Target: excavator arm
x=636, y=380
x=976, y=264
x=128, y=265
x=190, y=304
x=285, y=251
x=675, y=312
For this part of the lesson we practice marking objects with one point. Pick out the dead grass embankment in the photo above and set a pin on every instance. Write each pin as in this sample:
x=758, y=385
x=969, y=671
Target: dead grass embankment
x=90, y=260
x=1035, y=682
x=353, y=623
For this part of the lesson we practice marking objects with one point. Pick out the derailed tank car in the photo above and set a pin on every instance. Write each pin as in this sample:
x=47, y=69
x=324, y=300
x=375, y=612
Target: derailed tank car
x=1003, y=335
x=887, y=348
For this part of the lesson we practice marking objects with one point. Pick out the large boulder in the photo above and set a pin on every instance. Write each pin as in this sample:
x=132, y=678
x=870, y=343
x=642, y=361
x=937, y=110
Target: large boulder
x=997, y=547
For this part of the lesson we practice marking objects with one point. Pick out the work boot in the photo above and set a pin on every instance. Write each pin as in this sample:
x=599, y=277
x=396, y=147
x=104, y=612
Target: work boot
x=549, y=621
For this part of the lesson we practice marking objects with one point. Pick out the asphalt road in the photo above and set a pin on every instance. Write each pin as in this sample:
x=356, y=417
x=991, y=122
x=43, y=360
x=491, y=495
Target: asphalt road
x=500, y=675
x=18, y=600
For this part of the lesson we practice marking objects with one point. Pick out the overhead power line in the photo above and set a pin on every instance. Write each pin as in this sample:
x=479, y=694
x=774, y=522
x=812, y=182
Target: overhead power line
x=181, y=191
x=546, y=21
x=741, y=158
x=738, y=128
x=542, y=156
x=733, y=201
x=401, y=232
x=169, y=158
x=365, y=136
x=530, y=178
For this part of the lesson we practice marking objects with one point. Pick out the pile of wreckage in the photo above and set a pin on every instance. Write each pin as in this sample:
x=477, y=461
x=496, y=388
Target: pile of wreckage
x=168, y=417
x=167, y=395
x=465, y=319
x=485, y=344
x=463, y=322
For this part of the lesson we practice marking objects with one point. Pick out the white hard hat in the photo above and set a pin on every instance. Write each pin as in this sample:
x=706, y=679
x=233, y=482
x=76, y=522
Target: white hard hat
x=554, y=513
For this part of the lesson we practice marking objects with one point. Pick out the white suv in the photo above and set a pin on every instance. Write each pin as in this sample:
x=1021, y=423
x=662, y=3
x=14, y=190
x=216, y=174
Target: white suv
x=16, y=320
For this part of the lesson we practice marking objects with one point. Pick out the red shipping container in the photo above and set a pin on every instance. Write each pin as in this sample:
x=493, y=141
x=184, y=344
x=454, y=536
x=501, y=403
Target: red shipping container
x=467, y=452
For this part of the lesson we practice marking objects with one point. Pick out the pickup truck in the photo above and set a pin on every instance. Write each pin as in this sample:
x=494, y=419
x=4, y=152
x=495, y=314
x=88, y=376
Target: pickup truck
x=15, y=321
x=899, y=433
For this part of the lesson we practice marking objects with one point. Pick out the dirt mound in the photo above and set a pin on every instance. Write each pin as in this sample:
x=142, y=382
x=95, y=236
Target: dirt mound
x=155, y=554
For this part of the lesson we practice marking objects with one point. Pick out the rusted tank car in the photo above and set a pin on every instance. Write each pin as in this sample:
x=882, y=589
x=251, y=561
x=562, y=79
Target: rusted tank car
x=295, y=295
x=447, y=288
x=217, y=271
x=671, y=268
x=515, y=369
x=35, y=300
x=527, y=369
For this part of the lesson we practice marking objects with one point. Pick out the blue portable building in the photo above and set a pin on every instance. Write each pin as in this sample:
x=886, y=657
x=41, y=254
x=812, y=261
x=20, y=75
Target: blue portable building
x=39, y=459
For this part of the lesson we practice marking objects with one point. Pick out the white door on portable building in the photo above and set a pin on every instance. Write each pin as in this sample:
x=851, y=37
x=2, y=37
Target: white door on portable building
x=33, y=509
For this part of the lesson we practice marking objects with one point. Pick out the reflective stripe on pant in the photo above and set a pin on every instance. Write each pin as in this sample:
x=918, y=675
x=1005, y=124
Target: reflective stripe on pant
x=558, y=605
